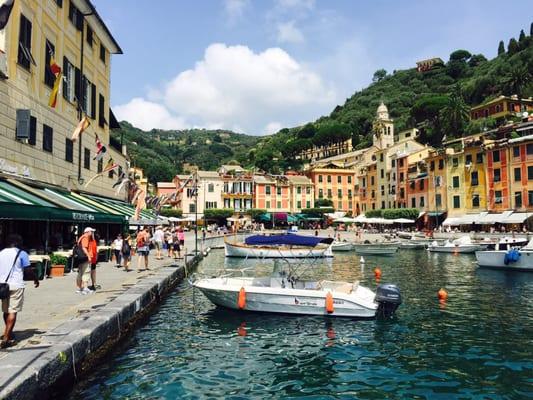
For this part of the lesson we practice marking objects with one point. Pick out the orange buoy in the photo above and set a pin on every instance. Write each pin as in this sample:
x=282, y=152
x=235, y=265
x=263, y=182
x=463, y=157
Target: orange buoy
x=241, y=300
x=377, y=273
x=241, y=330
x=329, y=303
x=442, y=294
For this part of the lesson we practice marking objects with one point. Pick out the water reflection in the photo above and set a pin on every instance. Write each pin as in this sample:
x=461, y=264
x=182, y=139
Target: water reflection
x=477, y=344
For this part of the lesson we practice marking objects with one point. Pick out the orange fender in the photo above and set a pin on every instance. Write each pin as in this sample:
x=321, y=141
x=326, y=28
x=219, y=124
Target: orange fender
x=241, y=300
x=329, y=303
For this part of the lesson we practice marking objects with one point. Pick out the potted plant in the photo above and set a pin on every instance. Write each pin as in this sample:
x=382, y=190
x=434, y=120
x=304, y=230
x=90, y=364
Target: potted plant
x=57, y=265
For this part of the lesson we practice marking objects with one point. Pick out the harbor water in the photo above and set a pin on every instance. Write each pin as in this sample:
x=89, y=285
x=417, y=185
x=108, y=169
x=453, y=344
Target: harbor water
x=478, y=344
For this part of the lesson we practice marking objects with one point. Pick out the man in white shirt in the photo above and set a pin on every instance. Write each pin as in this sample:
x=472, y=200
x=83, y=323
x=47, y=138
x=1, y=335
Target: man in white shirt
x=12, y=262
x=158, y=238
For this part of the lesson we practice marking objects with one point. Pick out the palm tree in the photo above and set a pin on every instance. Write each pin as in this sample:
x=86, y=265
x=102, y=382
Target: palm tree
x=517, y=80
x=455, y=114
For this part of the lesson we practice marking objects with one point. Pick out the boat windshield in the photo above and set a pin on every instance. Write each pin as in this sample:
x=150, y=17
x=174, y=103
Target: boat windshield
x=289, y=240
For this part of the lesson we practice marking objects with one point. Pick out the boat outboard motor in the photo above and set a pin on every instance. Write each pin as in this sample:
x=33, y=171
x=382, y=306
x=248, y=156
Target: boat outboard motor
x=389, y=298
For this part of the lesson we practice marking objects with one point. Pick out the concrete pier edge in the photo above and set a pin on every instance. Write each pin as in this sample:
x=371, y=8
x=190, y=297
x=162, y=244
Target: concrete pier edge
x=68, y=351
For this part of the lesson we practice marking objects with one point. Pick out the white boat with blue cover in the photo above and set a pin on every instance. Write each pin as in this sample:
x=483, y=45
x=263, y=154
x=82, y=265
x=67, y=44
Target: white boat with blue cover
x=279, y=246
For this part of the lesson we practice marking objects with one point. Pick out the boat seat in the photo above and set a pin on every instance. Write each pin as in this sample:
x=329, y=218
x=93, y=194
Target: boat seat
x=344, y=287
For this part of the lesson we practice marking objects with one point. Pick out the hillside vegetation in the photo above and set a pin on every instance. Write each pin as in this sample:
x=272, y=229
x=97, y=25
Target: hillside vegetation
x=437, y=102
x=162, y=153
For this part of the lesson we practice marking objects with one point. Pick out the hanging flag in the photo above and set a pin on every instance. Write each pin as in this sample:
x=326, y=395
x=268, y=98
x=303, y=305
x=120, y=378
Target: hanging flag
x=56, y=70
x=141, y=203
x=120, y=179
x=100, y=149
x=5, y=11
x=123, y=179
x=108, y=167
x=82, y=125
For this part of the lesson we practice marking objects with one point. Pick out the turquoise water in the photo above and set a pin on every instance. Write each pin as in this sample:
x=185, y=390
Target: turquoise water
x=476, y=345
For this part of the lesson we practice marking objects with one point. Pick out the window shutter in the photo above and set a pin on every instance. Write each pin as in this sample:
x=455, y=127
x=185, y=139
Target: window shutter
x=84, y=83
x=66, y=83
x=79, y=20
x=93, y=101
x=77, y=87
x=33, y=131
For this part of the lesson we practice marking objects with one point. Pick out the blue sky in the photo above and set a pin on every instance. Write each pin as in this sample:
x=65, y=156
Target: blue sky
x=258, y=66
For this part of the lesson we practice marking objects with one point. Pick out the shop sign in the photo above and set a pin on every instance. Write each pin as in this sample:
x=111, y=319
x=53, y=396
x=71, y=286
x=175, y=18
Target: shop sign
x=13, y=169
x=82, y=216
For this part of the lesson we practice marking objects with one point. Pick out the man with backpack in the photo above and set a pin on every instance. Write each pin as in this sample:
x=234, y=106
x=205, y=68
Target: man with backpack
x=143, y=248
x=12, y=262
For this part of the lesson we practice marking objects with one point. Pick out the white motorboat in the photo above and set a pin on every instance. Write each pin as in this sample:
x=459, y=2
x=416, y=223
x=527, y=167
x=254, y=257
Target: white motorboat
x=341, y=246
x=287, y=294
x=413, y=244
x=462, y=245
x=279, y=246
x=509, y=254
x=377, y=248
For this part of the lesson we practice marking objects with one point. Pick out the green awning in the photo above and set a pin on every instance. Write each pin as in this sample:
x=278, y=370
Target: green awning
x=146, y=216
x=24, y=202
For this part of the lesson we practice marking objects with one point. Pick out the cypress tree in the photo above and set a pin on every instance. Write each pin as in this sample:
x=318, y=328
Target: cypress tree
x=522, y=36
x=531, y=30
x=512, y=47
x=501, y=48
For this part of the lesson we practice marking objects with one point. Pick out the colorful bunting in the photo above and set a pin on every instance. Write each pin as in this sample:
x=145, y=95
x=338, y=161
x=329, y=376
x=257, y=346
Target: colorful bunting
x=100, y=149
x=82, y=125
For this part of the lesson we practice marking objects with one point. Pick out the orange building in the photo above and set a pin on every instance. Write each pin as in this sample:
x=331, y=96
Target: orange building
x=497, y=178
x=520, y=153
x=437, y=195
x=402, y=188
x=272, y=193
x=333, y=181
x=502, y=107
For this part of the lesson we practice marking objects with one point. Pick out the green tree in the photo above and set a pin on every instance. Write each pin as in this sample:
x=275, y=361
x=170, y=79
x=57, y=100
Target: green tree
x=476, y=60
x=517, y=80
x=218, y=214
x=455, y=114
x=323, y=203
x=171, y=212
x=460, y=55
x=531, y=30
x=501, y=48
x=379, y=75
x=307, y=131
x=512, y=47
x=521, y=37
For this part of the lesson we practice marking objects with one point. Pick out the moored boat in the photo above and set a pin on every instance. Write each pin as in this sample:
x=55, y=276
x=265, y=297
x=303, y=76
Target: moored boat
x=279, y=246
x=462, y=245
x=341, y=246
x=378, y=248
x=509, y=254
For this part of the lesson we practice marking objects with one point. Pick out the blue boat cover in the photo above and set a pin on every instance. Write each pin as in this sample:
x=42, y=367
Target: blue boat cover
x=290, y=239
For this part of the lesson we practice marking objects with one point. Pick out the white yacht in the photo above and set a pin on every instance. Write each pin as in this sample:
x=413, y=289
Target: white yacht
x=509, y=254
x=462, y=245
x=279, y=246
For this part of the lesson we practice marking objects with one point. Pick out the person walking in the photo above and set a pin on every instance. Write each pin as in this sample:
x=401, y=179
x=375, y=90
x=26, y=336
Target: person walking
x=126, y=252
x=117, y=250
x=143, y=248
x=176, y=248
x=94, y=261
x=12, y=262
x=159, y=237
x=87, y=244
x=181, y=237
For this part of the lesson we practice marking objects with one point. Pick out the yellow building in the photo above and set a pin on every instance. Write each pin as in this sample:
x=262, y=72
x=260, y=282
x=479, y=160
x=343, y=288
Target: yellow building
x=437, y=184
x=455, y=180
x=36, y=138
x=474, y=176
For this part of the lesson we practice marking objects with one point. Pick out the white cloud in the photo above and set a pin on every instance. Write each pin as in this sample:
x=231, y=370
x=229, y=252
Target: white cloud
x=296, y=4
x=147, y=115
x=235, y=9
x=289, y=33
x=234, y=86
x=272, y=127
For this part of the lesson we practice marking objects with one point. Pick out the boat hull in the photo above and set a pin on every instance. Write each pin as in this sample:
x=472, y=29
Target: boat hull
x=341, y=246
x=376, y=249
x=360, y=304
x=464, y=249
x=496, y=259
x=244, y=251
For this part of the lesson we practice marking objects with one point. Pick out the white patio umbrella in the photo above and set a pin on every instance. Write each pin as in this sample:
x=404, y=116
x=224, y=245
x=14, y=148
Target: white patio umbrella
x=344, y=220
x=403, y=221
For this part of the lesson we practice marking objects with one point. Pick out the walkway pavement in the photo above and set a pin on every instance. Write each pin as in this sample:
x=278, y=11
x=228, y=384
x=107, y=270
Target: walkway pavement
x=56, y=301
